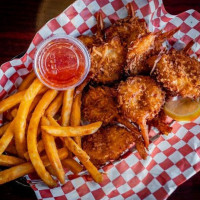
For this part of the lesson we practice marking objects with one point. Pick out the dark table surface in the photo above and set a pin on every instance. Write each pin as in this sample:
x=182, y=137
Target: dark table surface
x=19, y=21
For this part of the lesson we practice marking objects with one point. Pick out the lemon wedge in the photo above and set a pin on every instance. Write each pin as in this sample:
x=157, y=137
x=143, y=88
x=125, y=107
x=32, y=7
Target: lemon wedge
x=182, y=109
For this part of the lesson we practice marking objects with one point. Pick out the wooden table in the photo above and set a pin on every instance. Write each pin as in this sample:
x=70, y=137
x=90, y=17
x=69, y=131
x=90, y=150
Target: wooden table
x=19, y=21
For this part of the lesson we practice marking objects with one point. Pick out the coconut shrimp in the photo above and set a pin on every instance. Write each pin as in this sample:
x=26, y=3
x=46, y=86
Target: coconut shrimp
x=107, y=57
x=100, y=103
x=128, y=29
x=177, y=72
x=107, y=144
x=140, y=99
x=143, y=48
x=107, y=61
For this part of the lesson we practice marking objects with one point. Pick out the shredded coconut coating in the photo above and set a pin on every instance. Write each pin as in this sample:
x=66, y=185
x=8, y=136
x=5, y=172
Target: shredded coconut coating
x=107, y=61
x=128, y=29
x=138, y=52
x=143, y=48
x=140, y=99
x=179, y=74
x=98, y=105
x=90, y=41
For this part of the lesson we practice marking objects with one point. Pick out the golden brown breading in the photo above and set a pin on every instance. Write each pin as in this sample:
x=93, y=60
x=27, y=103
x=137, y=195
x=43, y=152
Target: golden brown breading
x=178, y=73
x=89, y=40
x=107, y=144
x=143, y=48
x=107, y=61
x=107, y=58
x=137, y=54
x=140, y=99
x=128, y=29
x=98, y=105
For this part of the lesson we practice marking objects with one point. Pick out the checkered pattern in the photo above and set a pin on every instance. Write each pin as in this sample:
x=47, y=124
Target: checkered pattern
x=172, y=159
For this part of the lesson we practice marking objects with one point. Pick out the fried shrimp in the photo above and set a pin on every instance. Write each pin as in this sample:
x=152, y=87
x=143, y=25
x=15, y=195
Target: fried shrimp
x=107, y=61
x=100, y=104
x=107, y=144
x=94, y=40
x=128, y=29
x=140, y=100
x=178, y=73
x=107, y=58
x=143, y=48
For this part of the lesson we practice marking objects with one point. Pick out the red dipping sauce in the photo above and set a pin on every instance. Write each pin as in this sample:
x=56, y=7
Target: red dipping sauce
x=62, y=62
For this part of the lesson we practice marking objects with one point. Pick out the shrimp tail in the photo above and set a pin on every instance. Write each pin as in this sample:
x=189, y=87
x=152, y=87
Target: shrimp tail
x=144, y=132
x=168, y=34
x=188, y=46
x=129, y=125
x=131, y=12
x=141, y=148
x=100, y=23
x=139, y=144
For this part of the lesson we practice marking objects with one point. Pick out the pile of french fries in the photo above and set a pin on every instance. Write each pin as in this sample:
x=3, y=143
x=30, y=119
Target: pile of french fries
x=33, y=141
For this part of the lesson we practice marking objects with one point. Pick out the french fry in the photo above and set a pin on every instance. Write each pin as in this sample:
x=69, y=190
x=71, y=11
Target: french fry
x=13, y=112
x=35, y=102
x=70, y=144
x=6, y=138
x=40, y=148
x=67, y=105
x=9, y=136
x=4, y=128
x=69, y=131
x=72, y=165
x=63, y=153
x=43, y=90
x=4, y=141
x=11, y=101
x=15, y=172
x=32, y=137
x=52, y=153
x=26, y=168
x=14, y=99
x=10, y=160
x=32, y=107
x=96, y=175
x=27, y=81
x=20, y=124
x=81, y=155
x=73, y=147
x=75, y=118
x=55, y=105
x=51, y=170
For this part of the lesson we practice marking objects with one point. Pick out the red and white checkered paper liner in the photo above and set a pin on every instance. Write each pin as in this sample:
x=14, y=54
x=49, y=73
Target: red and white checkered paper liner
x=172, y=159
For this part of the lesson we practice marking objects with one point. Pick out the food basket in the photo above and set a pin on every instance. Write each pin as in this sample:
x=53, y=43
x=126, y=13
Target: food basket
x=172, y=159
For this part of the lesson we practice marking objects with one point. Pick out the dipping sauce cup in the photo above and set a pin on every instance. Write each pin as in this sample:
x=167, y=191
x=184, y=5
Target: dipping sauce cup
x=61, y=62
